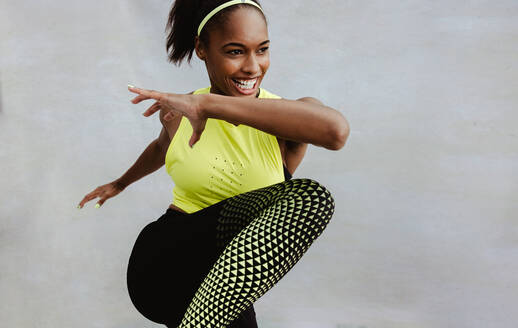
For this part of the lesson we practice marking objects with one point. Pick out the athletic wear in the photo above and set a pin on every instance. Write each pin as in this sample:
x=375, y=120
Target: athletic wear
x=206, y=268
x=226, y=161
x=244, y=229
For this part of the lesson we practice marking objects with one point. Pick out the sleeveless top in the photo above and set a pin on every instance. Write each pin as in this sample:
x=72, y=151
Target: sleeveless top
x=226, y=161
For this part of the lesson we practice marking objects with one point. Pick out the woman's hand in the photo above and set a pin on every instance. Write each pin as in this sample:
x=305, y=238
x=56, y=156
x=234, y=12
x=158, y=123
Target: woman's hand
x=104, y=192
x=174, y=104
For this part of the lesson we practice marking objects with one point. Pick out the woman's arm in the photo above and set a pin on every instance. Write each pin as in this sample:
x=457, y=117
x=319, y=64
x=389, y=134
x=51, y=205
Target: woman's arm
x=151, y=159
x=305, y=120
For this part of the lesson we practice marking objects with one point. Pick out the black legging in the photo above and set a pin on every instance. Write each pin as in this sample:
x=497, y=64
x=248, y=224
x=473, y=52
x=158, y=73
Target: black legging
x=206, y=268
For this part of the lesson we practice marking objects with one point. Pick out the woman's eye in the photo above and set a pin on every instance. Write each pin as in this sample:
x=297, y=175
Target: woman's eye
x=234, y=52
x=264, y=49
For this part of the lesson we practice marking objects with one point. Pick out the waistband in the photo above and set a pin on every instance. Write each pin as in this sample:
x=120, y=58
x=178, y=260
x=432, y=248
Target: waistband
x=171, y=214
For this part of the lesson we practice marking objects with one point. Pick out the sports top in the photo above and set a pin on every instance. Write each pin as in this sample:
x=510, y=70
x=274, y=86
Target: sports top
x=227, y=160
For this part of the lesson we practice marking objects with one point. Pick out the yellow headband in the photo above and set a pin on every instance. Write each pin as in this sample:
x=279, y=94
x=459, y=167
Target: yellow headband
x=223, y=6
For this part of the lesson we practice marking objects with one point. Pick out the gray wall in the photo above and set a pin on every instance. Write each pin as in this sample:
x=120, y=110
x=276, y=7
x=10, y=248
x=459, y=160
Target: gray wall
x=424, y=233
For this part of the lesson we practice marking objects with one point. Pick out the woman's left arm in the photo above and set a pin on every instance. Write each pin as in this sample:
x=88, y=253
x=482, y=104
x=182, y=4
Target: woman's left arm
x=305, y=120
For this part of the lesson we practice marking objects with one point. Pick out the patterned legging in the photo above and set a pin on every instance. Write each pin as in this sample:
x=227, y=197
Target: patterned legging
x=205, y=268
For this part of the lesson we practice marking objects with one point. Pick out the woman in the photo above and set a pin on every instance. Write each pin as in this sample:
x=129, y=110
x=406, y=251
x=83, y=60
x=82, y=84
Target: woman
x=238, y=222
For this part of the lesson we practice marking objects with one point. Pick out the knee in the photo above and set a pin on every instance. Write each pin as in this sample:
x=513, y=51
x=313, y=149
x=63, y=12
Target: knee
x=314, y=192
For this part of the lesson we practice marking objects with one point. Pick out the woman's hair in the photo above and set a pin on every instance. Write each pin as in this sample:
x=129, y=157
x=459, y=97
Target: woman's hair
x=185, y=17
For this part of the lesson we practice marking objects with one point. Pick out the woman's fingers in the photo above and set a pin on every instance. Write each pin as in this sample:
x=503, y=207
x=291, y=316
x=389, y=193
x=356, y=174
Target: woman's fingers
x=152, y=109
x=102, y=200
x=155, y=108
x=169, y=116
x=194, y=139
x=98, y=192
x=198, y=128
x=146, y=93
x=91, y=196
x=104, y=192
x=88, y=198
x=174, y=105
x=139, y=98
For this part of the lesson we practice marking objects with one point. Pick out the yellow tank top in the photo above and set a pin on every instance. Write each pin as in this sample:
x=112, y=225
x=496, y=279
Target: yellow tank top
x=226, y=161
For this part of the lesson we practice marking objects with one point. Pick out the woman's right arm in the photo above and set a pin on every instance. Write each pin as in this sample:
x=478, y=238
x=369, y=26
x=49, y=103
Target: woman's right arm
x=151, y=159
x=148, y=162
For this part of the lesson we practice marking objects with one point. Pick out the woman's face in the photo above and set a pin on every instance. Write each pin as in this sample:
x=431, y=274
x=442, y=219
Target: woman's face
x=237, y=56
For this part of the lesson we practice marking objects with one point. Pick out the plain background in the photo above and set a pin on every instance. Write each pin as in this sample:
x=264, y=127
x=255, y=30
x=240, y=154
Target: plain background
x=425, y=232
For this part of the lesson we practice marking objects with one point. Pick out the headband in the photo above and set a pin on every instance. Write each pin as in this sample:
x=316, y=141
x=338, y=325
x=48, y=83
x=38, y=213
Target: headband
x=223, y=6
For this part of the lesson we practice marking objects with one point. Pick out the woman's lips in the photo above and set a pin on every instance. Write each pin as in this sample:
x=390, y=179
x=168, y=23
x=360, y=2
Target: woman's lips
x=245, y=91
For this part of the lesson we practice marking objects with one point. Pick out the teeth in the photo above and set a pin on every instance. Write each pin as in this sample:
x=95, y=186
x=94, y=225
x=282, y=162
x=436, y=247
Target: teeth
x=245, y=84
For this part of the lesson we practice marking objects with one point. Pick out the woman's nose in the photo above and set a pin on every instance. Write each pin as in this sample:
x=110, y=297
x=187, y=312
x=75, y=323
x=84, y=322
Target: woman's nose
x=251, y=65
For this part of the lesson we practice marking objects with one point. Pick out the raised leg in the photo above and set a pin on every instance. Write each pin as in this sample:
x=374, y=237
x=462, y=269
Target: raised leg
x=263, y=233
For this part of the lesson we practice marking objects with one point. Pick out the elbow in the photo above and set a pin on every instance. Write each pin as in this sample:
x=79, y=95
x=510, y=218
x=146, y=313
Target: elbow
x=339, y=136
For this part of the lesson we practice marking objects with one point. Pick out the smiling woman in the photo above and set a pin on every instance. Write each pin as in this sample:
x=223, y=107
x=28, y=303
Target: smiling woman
x=236, y=55
x=237, y=68
x=238, y=222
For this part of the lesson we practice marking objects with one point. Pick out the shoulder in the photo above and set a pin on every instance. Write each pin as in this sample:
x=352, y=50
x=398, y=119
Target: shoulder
x=267, y=94
x=310, y=100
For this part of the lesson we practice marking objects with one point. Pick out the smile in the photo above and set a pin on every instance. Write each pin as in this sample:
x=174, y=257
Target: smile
x=245, y=86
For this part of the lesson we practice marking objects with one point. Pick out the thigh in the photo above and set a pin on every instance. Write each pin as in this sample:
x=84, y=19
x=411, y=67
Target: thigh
x=237, y=212
x=172, y=255
x=265, y=232
x=169, y=260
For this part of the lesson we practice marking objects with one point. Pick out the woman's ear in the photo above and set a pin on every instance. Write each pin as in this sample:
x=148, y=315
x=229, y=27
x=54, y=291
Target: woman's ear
x=198, y=47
